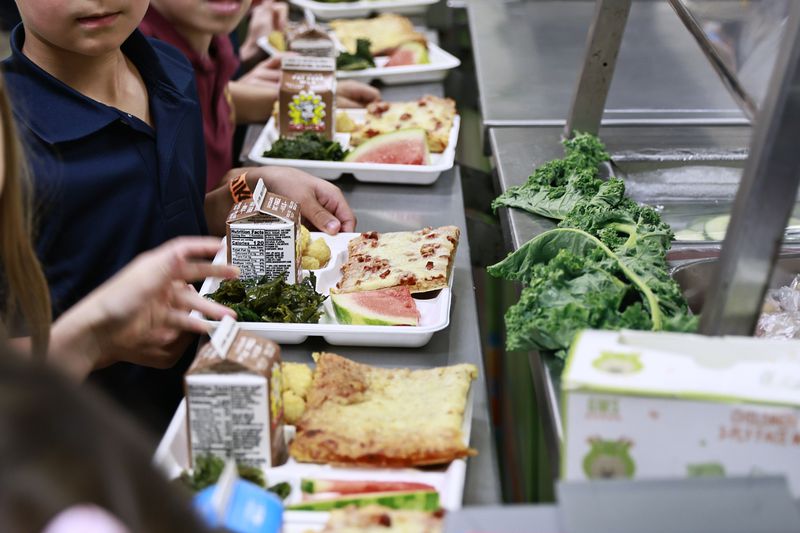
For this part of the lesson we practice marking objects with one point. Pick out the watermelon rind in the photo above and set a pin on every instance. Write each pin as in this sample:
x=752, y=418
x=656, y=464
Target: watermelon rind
x=348, y=311
x=386, y=139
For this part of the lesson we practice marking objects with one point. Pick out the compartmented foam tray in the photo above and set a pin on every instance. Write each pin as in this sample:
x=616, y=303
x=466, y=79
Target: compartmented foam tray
x=441, y=61
x=434, y=310
x=172, y=457
x=367, y=172
x=362, y=8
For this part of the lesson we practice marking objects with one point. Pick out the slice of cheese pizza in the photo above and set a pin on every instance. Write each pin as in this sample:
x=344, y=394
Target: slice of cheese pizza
x=379, y=519
x=361, y=415
x=385, y=33
x=433, y=114
x=421, y=260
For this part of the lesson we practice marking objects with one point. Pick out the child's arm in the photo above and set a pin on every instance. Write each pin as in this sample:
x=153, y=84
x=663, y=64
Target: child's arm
x=252, y=103
x=141, y=315
x=321, y=202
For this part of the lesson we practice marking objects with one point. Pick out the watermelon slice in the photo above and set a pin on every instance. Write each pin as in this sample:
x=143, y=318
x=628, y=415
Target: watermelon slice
x=401, y=147
x=411, y=53
x=384, y=307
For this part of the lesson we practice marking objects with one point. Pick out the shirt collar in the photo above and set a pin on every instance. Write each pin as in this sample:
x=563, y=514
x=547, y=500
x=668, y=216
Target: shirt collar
x=56, y=112
x=155, y=25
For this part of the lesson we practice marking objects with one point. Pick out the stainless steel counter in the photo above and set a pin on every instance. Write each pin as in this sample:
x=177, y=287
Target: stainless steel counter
x=528, y=56
x=517, y=151
x=398, y=208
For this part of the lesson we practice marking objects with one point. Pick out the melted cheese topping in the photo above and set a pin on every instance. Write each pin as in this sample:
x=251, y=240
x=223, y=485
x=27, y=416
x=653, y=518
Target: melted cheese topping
x=420, y=260
x=433, y=114
x=363, y=415
x=378, y=519
x=385, y=32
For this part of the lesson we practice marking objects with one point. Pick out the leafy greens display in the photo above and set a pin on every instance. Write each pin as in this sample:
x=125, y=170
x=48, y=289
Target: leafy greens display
x=604, y=267
x=307, y=145
x=273, y=300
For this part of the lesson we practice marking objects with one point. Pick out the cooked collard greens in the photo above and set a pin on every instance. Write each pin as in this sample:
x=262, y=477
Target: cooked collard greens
x=307, y=145
x=274, y=300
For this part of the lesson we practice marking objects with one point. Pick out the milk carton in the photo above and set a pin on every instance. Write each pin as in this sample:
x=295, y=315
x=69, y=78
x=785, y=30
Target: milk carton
x=263, y=236
x=307, y=96
x=310, y=40
x=664, y=405
x=233, y=399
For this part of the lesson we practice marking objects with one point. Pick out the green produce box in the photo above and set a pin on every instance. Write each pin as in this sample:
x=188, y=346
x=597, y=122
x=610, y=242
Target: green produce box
x=666, y=405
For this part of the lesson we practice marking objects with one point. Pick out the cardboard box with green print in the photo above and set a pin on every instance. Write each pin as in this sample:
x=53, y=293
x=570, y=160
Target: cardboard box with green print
x=667, y=405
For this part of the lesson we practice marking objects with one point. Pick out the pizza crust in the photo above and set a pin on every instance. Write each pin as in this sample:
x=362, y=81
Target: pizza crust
x=385, y=33
x=421, y=260
x=360, y=415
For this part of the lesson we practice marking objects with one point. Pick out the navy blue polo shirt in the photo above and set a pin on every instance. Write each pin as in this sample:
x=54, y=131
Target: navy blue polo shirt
x=107, y=185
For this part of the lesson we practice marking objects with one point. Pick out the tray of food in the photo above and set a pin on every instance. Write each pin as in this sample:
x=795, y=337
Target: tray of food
x=388, y=142
x=375, y=289
x=387, y=48
x=398, y=444
x=361, y=8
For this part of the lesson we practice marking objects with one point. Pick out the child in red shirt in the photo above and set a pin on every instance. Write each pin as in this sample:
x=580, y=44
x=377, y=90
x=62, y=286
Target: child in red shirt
x=199, y=29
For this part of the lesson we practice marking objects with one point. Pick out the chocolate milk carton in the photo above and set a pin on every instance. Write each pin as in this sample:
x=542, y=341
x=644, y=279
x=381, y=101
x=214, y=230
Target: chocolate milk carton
x=310, y=40
x=307, y=96
x=263, y=236
x=233, y=399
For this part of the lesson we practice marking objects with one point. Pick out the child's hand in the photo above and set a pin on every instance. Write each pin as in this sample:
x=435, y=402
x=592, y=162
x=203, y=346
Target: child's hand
x=267, y=72
x=321, y=202
x=351, y=93
x=140, y=314
x=267, y=17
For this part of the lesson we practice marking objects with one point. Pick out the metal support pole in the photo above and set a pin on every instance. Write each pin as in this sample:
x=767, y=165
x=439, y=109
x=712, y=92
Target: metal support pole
x=602, y=47
x=764, y=201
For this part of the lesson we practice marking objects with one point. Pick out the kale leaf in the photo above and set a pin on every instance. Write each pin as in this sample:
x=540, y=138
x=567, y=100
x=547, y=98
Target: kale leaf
x=360, y=60
x=208, y=468
x=307, y=145
x=604, y=267
x=557, y=186
x=272, y=300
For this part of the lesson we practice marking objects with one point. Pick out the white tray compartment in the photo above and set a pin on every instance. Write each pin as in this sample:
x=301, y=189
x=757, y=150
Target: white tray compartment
x=362, y=8
x=434, y=312
x=366, y=172
x=441, y=62
x=172, y=458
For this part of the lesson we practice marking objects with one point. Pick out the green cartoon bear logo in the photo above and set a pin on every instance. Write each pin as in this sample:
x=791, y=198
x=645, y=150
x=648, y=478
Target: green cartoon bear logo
x=618, y=363
x=609, y=459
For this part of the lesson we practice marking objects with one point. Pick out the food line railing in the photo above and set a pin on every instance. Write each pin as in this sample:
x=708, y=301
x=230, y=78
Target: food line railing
x=767, y=191
x=771, y=174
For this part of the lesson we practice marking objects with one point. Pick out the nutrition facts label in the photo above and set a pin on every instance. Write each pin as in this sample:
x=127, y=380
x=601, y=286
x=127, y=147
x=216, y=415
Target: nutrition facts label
x=230, y=421
x=259, y=250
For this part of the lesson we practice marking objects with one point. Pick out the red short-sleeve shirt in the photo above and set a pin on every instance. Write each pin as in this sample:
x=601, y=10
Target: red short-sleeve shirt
x=212, y=72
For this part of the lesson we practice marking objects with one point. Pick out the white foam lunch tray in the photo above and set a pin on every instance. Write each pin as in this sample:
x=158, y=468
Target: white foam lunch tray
x=172, y=458
x=362, y=8
x=441, y=61
x=366, y=172
x=434, y=312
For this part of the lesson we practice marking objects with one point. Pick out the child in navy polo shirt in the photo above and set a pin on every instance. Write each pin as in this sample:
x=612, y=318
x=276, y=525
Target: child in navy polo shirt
x=115, y=140
x=200, y=29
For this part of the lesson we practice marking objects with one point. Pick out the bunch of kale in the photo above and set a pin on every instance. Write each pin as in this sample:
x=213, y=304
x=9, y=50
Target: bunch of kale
x=604, y=267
